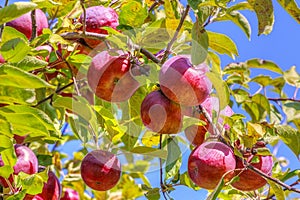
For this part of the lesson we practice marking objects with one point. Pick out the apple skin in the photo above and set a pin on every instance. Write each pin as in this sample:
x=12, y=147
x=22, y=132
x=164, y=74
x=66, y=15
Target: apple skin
x=70, y=194
x=52, y=189
x=249, y=180
x=209, y=162
x=24, y=23
x=98, y=17
x=160, y=114
x=196, y=134
x=184, y=83
x=27, y=162
x=100, y=170
x=109, y=77
x=1, y=59
x=20, y=139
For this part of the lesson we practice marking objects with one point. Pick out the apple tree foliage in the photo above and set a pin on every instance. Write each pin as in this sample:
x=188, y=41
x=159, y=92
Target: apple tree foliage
x=38, y=98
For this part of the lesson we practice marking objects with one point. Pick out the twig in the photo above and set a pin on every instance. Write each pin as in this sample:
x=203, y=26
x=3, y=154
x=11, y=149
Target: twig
x=84, y=16
x=97, y=36
x=162, y=185
x=283, y=99
x=112, y=3
x=2, y=26
x=211, y=18
x=6, y=3
x=277, y=181
x=156, y=3
x=295, y=93
x=167, y=52
x=51, y=95
x=64, y=128
x=34, y=25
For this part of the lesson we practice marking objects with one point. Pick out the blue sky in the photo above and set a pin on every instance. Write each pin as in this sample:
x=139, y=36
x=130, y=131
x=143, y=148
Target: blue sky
x=282, y=46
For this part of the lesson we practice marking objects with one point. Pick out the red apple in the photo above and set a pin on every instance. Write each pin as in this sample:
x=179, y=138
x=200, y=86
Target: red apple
x=196, y=134
x=26, y=162
x=98, y=17
x=100, y=170
x=1, y=59
x=160, y=114
x=209, y=162
x=249, y=180
x=24, y=23
x=52, y=189
x=184, y=83
x=20, y=139
x=70, y=194
x=109, y=77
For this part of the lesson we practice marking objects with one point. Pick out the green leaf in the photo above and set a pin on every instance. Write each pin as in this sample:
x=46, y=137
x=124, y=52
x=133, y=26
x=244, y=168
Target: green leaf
x=263, y=102
x=199, y=44
x=153, y=194
x=262, y=80
x=290, y=137
x=291, y=7
x=292, y=110
x=239, y=19
x=240, y=6
x=173, y=161
x=15, y=10
x=14, y=50
x=10, y=33
x=185, y=180
x=264, y=64
x=221, y=88
x=194, y=3
x=292, y=77
x=277, y=189
x=150, y=152
x=217, y=190
x=9, y=156
x=222, y=44
x=265, y=15
x=17, y=95
x=6, y=171
x=15, y=77
x=150, y=139
x=6, y=142
x=29, y=63
x=33, y=183
x=133, y=14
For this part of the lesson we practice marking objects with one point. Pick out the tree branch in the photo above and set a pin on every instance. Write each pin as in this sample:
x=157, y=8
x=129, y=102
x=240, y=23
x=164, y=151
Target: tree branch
x=97, y=36
x=283, y=99
x=170, y=44
x=277, y=181
x=34, y=25
x=51, y=95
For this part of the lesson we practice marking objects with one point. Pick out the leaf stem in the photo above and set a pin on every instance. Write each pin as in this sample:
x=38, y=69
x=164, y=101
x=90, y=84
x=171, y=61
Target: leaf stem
x=34, y=25
x=170, y=44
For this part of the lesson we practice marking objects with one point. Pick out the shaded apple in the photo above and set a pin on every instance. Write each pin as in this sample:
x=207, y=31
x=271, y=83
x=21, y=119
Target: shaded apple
x=184, y=83
x=109, y=77
x=160, y=114
x=196, y=134
x=19, y=139
x=209, y=162
x=26, y=162
x=24, y=23
x=98, y=17
x=249, y=180
x=52, y=189
x=70, y=194
x=100, y=170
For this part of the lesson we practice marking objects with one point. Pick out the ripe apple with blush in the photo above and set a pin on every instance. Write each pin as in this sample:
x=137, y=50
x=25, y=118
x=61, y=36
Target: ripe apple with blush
x=196, y=134
x=70, y=194
x=100, y=170
x=208, y=162
x=249, y=180
x=24, y=23
x=160, y=114
x=184, y=83
x=98, y=17
x=27, y=162
x=109, y=76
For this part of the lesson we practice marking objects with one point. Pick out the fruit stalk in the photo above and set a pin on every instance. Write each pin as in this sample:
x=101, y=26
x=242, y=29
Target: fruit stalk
x=170, y=44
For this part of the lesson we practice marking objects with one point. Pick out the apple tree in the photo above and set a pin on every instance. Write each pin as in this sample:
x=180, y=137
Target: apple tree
x=137, y=87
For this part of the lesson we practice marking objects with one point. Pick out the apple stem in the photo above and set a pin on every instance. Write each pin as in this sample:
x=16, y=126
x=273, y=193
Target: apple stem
x=34, y=25
x=170, y=44
x=275, y=180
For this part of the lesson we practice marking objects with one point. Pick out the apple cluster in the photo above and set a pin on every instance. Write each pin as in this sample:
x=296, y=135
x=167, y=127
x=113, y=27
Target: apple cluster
x=27, y=162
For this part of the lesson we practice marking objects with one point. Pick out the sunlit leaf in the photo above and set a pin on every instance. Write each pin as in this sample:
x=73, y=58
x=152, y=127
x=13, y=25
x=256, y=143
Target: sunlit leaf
x=173, y=161
x=15, y=10
x=277, y=189
x=199, y=44
x=150, y=152
x=133, y=14
x=292, y=77
x=265, y=15
x=264, y=64
x=291, y=7
x=290, y=137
